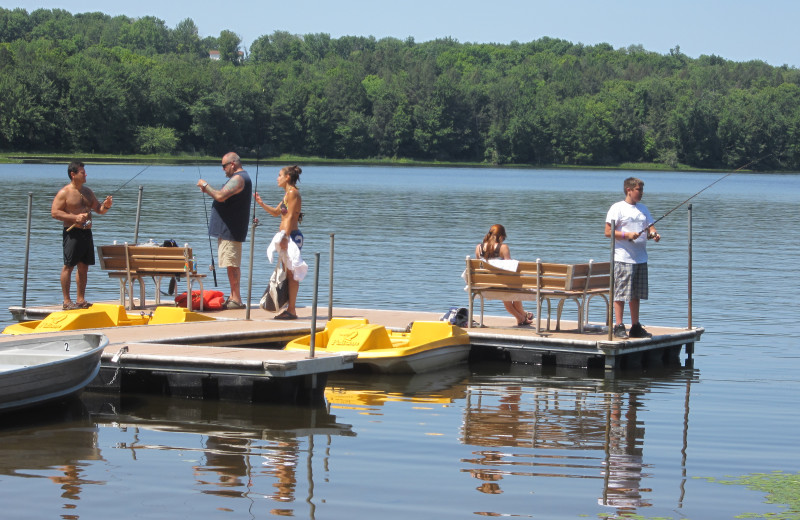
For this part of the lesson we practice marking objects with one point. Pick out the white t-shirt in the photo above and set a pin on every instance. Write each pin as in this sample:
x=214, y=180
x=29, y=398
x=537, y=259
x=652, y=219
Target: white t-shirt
x=630, y=218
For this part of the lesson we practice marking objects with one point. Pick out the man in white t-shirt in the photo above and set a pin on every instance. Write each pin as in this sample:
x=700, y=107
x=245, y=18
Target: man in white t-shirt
x=633, y=228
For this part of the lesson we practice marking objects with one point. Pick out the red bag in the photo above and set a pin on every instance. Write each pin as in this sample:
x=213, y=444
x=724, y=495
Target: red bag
x=212, y=300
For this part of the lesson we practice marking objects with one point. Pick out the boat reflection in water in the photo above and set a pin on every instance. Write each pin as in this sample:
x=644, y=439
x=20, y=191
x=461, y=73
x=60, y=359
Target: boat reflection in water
x=363, y=391
x=562, y=425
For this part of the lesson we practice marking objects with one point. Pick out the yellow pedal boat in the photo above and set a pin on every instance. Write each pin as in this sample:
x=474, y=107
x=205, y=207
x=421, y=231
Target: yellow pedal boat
x=101, y=315
x=430, y=345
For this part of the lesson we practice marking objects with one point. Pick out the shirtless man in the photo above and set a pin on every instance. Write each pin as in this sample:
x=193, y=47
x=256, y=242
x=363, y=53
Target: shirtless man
x=73, y=205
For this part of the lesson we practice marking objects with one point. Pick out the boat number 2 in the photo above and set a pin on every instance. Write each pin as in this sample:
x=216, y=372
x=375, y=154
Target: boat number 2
x=66, y=346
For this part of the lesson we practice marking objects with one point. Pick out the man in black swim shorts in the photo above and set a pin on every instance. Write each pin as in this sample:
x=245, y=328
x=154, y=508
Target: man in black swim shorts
x=73, y=206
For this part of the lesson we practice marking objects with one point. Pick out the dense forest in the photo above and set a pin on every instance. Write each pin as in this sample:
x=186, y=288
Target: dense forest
x=92, y=83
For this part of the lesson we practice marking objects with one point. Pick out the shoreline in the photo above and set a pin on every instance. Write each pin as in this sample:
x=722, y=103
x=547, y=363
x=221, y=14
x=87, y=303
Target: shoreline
x=174, y=160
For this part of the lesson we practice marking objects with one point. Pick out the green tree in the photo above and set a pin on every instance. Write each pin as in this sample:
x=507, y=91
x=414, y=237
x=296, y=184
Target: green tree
x=151, y=139
x=185, y=38
x=228, y=43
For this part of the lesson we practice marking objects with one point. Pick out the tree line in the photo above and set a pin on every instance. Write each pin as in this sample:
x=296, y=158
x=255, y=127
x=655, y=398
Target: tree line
x=93, y=83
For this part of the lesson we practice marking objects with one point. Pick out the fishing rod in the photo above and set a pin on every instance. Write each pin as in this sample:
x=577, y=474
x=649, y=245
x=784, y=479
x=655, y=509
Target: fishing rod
x=111, y=195
x=210, y=248
x=662, y=217
x=254, y=223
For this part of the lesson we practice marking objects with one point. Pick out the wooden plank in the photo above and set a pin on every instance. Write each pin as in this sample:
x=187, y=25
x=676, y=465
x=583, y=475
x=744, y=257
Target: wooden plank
x=113, y=264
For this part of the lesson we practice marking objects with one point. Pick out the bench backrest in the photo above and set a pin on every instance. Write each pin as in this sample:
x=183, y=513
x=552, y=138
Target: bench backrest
x=589, y=276
x=538, y=275
x=144, y=259
x=482, y=275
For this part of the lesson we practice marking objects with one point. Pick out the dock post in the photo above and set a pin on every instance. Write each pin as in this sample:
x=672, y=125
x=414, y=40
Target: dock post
x=330, y=283
x=313, y=337
x=250, y=269
x=689, y=277
x=27, y=255
x=610, y=314
x=138, y=214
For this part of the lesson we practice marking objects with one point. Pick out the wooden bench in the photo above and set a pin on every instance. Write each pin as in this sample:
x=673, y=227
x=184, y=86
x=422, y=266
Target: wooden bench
x=540, y=282
x=129, y=263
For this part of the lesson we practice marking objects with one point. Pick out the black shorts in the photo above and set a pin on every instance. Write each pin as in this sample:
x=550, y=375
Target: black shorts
x=78, y=247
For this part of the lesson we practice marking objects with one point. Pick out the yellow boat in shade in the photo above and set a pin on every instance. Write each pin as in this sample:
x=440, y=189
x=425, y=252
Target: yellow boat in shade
x=429, y=345
x=101, y=315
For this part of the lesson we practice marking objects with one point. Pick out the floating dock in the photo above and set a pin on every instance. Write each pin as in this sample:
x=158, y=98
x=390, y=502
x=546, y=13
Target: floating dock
x=232, y=358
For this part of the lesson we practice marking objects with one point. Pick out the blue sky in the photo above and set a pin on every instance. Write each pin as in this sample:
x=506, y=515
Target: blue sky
x=739, y=30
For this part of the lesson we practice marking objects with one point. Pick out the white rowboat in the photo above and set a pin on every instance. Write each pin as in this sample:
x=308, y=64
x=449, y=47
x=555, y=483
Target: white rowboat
x=36, y=370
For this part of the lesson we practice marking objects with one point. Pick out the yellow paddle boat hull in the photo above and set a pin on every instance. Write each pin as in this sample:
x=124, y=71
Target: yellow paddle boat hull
x=101, y=315
x=430, y=345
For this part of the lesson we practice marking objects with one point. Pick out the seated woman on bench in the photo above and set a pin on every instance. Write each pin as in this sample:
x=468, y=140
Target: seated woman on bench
x=493, y=247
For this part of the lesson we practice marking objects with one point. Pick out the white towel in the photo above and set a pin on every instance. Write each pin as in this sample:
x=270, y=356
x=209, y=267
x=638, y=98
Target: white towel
x=290, y=258
x=505, y=265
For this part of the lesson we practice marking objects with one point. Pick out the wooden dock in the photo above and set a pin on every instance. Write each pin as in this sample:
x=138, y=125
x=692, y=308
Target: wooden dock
x=237, y=359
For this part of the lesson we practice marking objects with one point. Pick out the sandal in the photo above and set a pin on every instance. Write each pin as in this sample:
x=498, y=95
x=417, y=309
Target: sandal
x=285, y=315
x=233, y=305
x=84, y=304
x=70, y=306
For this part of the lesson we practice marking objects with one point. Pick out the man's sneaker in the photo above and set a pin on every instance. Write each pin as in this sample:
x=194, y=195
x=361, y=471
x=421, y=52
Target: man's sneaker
x=619, y=331
x=637, y=331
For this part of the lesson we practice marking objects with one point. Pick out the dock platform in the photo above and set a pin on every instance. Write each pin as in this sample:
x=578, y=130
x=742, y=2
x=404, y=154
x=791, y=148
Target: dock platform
x=238, y=359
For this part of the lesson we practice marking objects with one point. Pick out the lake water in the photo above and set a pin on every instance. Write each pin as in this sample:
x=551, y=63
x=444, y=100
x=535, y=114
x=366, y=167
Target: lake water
x=478, y=440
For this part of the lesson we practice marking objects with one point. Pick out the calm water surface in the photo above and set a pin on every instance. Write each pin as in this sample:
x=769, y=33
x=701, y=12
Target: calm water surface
x=479, y=440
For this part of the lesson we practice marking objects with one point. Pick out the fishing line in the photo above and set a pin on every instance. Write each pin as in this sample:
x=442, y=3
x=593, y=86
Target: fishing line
x=129, y=180
x=113, y=193
x=701, y=191
x=210, y=248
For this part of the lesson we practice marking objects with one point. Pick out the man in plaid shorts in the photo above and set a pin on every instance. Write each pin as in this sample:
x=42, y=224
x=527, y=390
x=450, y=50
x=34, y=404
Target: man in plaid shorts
x=631, y=233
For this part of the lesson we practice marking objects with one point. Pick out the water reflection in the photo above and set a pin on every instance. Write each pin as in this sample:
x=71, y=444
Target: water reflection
x=529, y=422
x=56, y=442
x=368, y=392
x=517, y=431
x=243, y=445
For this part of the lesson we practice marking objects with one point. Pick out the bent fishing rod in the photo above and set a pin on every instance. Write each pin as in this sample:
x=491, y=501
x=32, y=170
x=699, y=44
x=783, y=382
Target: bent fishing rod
x=662, y=217
x=110, y=195
x=210, y=248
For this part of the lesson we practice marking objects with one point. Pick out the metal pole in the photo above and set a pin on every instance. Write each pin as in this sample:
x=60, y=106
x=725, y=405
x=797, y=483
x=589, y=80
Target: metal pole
x=250, y=275
x=138, y=212
x=611, y=283
x=689, y=277
x=27, y=254
x=312, y=343
x=330, y=284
